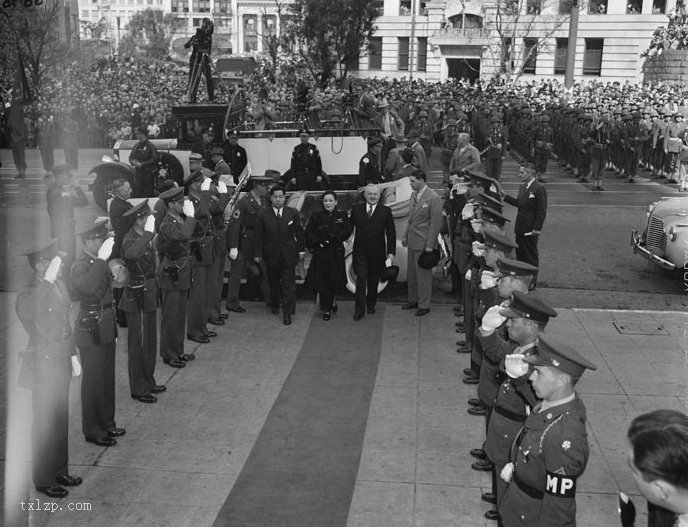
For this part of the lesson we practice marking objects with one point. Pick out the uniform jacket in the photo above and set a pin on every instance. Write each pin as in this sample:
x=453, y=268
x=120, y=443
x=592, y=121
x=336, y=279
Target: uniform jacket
x=202, y=243
x=532, y=207
x=91, y=282
x=550, y=454
x=306, y=158
x=467, y=159
x=241, y=231
x=61, y=204
x=218, y=202
x=280, y=241
x=120, y=225
x=498, y=136
x=147, y=154
x=424, y=220
x=138, y=254
x=375, y=236
x=237, y=159
x=173, y=246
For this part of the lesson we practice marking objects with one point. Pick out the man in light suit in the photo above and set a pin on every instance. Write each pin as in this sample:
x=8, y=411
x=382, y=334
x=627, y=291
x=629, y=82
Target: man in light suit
x=390, y=125
x=424, y=224
x=280, y=241
x=375, y=237
x=532, y=209
x=417, y=149
x=466, y=156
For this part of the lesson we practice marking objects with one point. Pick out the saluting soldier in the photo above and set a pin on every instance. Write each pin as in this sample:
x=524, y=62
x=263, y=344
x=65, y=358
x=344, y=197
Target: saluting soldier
x=551, y=450
x=219, y=197
x=144, y=159
x=42, y=307
x=523, y=318
x=174, y=238
x=95, y=334
x=306, y=165
x=140, y=303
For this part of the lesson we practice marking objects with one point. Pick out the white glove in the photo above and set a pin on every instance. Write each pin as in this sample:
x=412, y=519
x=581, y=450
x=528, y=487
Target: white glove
x=515, y=366
x=76, y=366
x=477, y=226
x=492, y=320
x=221, y=187
x=487, y=280
x=206, y=184
x=469, y=274
x=507, y=472
x=468, y=211
x=106, y=249
x=52, y=270
x=188, y=209
x=460, y=188
x=478, y=248
x=150, y=224
x=233, y=253
x=388, y=262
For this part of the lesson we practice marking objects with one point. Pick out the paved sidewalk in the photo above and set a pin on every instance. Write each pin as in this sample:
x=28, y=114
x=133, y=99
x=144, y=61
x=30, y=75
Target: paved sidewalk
x=181, y=456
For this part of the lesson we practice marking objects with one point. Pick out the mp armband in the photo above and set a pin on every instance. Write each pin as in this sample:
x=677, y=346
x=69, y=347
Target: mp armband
x=561, y=486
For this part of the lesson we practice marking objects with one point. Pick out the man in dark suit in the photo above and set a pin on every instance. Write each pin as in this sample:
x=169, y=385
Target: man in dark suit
x=281, y=243
x=375, y=239
x=121, y=225
x=532, y=209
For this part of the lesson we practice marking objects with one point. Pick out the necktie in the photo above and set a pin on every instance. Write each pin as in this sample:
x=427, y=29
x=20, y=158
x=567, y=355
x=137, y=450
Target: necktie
x=370, y=211
x=279, y=216
x=415, y=198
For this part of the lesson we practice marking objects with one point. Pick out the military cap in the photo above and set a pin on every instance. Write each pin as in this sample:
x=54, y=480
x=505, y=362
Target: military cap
x=493, y=216
x=194, y=156
x=498, y=241
x=490, y=201
x=462, y=116
x=206, y=130
x=304, y=131
x=509, y=267
x=422, y=113
x=413, y=134
x=167, y=185
x=217, y=151
x=42, y=251
x=553, y=353
x=233, y=133
x=173, y=194
x=138, y=211
x=96, y=231
x=480, y=179
x=61, y=169
x=677, y=115
x=527, y=306
x=450, y=122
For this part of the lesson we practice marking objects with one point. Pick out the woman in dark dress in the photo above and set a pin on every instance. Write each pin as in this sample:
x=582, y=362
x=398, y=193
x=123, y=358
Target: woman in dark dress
x=325, y=235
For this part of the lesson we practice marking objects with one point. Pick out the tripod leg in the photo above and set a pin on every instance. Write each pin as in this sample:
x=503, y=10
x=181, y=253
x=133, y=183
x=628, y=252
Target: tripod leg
x=195, y=79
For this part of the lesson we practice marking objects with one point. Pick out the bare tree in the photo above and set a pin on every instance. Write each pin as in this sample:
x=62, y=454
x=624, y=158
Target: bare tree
x=523, y=29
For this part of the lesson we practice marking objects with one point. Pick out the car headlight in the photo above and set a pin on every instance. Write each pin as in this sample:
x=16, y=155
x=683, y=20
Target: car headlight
x=673, y=234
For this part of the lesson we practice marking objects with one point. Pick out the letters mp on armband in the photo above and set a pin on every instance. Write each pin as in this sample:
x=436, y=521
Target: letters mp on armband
x=560, y=486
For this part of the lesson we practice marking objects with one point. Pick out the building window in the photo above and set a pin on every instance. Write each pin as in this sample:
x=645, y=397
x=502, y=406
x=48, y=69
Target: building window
x=403, y=62
x=180, y=6
x=405, y=7
x=375, y=53
x=592, y=59
x=565, y=7
x=505, y=57
x=529, y=55
x=597, y=7
x=422, y=53
x=560, y=56
x=659, y=7
x=201, y=6
x=534, y=7
x=197, y=22
x=223, y=7
x=84, y=13
x=250, y=33
x=634, y=7
x=269, y=29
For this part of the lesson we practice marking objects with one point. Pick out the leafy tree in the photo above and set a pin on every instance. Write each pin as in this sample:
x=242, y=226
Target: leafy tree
x=149, y=33
x=329, y=34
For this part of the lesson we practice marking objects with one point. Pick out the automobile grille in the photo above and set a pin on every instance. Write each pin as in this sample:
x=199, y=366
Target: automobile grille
x=656, y=239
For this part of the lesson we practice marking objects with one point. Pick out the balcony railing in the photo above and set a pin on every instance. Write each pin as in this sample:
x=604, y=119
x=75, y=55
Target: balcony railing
x=458, y=35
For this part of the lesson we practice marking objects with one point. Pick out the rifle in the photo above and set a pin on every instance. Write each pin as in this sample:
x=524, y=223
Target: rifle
x=243, y=179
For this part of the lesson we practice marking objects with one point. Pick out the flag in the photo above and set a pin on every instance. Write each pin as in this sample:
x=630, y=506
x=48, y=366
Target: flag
x=21, y=91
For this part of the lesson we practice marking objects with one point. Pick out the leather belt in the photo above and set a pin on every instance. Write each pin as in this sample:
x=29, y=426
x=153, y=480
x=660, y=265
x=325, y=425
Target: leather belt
x=527, y=489
x=509, y=414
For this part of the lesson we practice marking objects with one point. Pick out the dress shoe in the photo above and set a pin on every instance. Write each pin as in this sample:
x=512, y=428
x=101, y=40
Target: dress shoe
x=201, y=339
x=463, y=349
x=492, y=514
x=421, y=312
x=478, y=453
x=484, y=465
x=489, y=497
x=102, y=441
x=458, y=313
x=115, y=432
x=371, y=310
x=239, y=309
x=216, y=321
x=326, y=316
x=477, y=410
x=145, y=398
x=69, y=481
x=358, y=316
x=186, y=357
x=460, y=327
x=461, y=343
x=475, y=402
x=471, y=380
x=210, y=334
x=410, y=305
x=224, y=316
x=54, y=491
x=175, y=363
x=158, y=388
x=334, y=308
x=274, y=310
x=469, y=372
x=287, y=320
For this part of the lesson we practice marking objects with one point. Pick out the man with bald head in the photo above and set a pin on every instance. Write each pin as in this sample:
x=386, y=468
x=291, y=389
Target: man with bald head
x=375, y=239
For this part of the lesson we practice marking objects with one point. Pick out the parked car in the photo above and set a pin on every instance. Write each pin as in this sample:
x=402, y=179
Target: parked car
x=664, y=241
